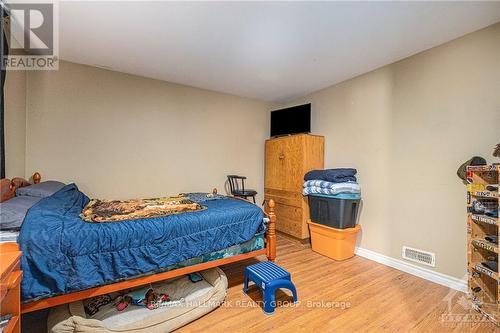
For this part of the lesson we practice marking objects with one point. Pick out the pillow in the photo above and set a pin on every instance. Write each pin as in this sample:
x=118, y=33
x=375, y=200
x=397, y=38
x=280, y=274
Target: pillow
x=40, y=190
x=13, y=211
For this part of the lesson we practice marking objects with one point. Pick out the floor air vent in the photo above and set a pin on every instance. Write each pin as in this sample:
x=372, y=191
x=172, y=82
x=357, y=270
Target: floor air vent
x=422, y=257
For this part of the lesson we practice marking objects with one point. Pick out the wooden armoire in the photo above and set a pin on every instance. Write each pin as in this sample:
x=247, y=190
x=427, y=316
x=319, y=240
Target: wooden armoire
x=287, y=159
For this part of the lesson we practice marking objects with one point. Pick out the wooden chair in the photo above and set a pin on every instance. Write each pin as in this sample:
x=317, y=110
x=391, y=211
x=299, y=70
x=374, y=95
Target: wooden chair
x=240, y=191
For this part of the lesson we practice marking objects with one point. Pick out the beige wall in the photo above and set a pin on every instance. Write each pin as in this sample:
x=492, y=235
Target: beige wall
x=15, y=123
x=407, y=127
x=122, y=136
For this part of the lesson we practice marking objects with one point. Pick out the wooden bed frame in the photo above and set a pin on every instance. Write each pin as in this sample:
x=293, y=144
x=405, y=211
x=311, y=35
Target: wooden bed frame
x=8, y=188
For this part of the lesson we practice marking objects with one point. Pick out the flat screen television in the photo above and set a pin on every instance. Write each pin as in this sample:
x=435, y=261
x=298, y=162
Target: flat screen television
x=293, y=120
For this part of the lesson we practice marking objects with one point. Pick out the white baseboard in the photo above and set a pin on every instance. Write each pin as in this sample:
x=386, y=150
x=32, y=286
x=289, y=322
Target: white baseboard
x=427, y=274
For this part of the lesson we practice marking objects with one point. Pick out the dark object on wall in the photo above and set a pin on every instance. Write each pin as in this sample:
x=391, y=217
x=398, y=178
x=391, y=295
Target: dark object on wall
x=238, y=190
x=462, y=170
x=333, y=212
x=294, y=120
x=5, y=52
x=496, y=152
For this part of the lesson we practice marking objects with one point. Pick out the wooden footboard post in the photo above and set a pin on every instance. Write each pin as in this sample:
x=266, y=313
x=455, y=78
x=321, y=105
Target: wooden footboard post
x=36, y=178
x=271, y=233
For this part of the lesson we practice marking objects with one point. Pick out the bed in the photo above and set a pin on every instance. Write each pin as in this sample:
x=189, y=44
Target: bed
x=66, y=259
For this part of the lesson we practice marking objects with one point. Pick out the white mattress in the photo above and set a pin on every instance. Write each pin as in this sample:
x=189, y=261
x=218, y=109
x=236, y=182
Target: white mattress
x=8, y=236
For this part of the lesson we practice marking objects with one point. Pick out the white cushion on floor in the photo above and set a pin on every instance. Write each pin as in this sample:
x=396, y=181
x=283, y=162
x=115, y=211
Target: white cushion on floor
x=198, y=299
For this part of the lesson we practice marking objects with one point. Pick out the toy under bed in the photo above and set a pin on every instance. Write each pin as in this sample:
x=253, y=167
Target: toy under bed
x=191, y=300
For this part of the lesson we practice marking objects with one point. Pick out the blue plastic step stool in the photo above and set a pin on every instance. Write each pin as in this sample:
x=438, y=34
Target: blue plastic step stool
x=268, y=276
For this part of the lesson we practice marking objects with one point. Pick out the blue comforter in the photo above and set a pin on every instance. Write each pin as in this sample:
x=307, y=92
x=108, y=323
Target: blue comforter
x=62, y=253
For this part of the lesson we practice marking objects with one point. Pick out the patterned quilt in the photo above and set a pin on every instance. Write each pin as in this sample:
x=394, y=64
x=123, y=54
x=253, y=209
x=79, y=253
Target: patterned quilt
x=121, y=210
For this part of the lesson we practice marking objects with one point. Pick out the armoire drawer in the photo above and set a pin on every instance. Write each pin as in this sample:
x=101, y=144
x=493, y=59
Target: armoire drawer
x=289, y=220
x=290, y=198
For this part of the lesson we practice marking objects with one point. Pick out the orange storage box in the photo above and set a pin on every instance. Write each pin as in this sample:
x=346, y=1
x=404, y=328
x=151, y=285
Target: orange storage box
x=337, y=244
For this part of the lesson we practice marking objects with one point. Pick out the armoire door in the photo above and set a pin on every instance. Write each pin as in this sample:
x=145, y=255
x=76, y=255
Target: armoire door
x=284, y=163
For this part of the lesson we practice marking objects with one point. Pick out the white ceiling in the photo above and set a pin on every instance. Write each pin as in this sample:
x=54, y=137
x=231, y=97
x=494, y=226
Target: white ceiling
x=273, y=51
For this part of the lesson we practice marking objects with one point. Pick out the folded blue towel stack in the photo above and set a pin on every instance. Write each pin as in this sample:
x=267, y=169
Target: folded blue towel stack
x=337, y=183
x=339, y=175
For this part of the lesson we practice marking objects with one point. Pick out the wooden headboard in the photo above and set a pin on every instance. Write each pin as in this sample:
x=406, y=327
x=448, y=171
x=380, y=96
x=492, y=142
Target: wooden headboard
x=8, y=187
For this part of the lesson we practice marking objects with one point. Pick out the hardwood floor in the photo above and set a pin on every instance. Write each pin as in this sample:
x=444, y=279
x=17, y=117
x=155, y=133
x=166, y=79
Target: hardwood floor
x=357, y=295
